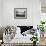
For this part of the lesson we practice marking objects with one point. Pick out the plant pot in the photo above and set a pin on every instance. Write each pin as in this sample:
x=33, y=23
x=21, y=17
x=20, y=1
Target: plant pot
x=34, y=43
x=42, y=34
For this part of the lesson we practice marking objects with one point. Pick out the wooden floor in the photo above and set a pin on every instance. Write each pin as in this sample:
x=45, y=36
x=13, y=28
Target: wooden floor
x=42, y=41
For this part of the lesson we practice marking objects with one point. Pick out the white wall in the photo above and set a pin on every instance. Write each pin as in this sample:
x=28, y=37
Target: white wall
x=0, y=12
x=33, y=12
x=36, y=7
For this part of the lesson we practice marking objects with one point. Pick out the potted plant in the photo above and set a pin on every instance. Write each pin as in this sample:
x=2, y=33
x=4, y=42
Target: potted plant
x=41, y=27
x=34, y=39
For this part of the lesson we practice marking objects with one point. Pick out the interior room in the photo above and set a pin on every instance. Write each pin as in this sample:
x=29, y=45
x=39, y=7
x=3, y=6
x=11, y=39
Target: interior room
x=22, y=21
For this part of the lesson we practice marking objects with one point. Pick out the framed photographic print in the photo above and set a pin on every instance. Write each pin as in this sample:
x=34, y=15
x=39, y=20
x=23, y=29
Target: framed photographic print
x=20, y=13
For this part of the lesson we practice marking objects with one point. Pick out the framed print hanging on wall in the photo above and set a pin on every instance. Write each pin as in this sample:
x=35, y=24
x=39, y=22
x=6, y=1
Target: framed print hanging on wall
x=20, y=13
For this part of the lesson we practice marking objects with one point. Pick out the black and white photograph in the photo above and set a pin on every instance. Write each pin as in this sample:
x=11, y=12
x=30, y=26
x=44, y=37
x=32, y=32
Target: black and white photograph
x=20, y=13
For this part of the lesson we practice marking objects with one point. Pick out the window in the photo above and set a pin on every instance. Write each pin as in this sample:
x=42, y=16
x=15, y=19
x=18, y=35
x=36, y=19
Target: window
x=43, y=6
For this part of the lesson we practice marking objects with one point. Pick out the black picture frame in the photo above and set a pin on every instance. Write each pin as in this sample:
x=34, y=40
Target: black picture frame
x=20, y=13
